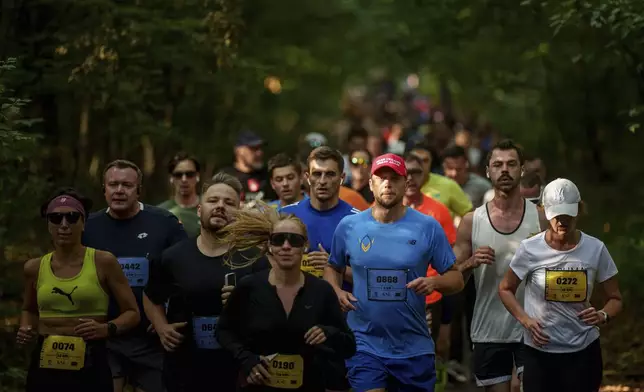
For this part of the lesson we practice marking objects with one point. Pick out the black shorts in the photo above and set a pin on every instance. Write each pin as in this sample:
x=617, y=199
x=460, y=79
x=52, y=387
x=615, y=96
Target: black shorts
x=580, y=371
x=335, y=375
x=135, y=371
x=95, y=376
x=190, y=370
x=494, y=362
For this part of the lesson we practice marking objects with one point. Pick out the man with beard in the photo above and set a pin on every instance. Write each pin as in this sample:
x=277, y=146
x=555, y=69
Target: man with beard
x=486, y=241
x=321, y=213
x=184, y=177
x=190, y=276
x=133, y=232
x=390, y=248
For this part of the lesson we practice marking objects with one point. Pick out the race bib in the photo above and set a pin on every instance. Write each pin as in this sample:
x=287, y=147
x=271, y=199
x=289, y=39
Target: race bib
x=204, y=331
x=566, y=286
x=63, y=353
x=136, y=270
x=386, y=285
x=310, y=269
x=286, y=371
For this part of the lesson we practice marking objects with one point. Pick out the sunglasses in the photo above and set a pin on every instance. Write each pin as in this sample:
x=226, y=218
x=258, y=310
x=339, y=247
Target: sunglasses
x=189, y=174
x=296, y=240
x=360, y=162
x=414, y=172
x=57, y=217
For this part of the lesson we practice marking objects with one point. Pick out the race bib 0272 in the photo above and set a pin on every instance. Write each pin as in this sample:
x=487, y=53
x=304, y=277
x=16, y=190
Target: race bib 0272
x=136, y=270
x=566, y=285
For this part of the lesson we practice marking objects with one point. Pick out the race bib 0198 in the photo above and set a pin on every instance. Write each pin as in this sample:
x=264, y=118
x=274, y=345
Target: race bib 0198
x=310, y=269
x=136, y=270
x=63, y=353
x=386, y=285
x=203, y=329
x=286, y=371
x=566, y=286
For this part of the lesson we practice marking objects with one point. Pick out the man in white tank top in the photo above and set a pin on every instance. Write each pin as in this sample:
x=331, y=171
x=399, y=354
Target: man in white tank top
x=485, y=244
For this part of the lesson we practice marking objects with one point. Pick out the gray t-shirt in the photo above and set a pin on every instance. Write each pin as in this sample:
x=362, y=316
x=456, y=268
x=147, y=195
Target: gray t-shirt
x=475, y=188
x=558, y=285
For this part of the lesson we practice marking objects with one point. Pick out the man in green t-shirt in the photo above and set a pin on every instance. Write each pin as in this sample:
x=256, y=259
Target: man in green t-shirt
x=184, y=176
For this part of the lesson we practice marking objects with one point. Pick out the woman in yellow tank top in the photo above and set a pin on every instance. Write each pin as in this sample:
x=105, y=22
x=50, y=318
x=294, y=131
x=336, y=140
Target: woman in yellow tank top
x=65, y=305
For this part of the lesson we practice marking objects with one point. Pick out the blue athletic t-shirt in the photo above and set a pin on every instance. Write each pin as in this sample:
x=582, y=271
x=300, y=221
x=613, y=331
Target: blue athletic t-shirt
x=389, y=320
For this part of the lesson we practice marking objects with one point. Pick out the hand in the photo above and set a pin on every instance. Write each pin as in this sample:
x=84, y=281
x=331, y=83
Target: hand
x=259, y=374
x=25, y=334
x=422, y=285
x=483, y=255
x=591, y=316
x=225, y=293
x=345, y=299
x=536, y=330
x=89, y=329
x=169, y=336
x=314, y=336
x=318, y=259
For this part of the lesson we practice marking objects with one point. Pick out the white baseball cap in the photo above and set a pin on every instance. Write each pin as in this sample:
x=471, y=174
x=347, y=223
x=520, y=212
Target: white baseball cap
x=561, y=197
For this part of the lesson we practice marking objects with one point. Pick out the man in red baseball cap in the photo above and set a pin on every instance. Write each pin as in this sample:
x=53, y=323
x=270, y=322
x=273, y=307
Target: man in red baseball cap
x=390, y=248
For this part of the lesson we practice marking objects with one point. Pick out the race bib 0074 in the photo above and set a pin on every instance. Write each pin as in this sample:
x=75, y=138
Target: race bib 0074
x=63, y=353
x=566, y=286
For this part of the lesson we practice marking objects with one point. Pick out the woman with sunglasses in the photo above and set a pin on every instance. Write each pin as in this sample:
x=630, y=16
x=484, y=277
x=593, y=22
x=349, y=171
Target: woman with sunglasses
x=276, y=322
x=66, y=301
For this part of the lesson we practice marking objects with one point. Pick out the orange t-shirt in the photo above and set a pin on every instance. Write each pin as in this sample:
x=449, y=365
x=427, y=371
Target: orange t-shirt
x=438, y=211
x=354, y=198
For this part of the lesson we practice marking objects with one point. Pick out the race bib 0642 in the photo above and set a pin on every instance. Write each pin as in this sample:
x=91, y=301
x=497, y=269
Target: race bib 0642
x=136, y=270
x=566, y=286
x=386, y=285
x=63, y=353
x=286, y=371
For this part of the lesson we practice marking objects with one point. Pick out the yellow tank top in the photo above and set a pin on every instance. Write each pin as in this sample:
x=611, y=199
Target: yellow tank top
x=81, y=295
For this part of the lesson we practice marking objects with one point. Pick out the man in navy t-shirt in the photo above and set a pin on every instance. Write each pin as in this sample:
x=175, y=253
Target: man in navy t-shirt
x=389, y=248
x=321, y=212
x=134, y=233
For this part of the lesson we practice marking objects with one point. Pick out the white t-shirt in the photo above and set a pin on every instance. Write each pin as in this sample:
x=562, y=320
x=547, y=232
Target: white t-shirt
x=558, y=285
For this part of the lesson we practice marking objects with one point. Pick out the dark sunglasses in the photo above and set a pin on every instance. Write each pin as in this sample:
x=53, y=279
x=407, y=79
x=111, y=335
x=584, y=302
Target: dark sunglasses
x=360, y=162
x=296, y=240
x=57, y=217
x=414, y=172
x=189, y=174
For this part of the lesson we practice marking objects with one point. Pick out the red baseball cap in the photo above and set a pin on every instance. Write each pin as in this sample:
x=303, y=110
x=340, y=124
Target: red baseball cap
x=392, y=161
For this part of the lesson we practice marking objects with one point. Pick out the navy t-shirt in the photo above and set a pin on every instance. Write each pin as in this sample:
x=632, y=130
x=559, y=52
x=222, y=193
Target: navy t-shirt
x=134, y=242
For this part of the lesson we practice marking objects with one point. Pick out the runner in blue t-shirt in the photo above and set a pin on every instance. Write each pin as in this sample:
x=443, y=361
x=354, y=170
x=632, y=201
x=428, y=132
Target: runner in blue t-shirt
x=321, y=213
x=389, y=248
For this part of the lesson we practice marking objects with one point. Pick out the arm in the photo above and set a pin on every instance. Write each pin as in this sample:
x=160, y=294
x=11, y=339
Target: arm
x=450, y=280
x=337, y=266
x=157, y=292
x=117, y=283
x=613, y=305
x=507, y=293
x=339, y=337
x=463, y=246
x=29, y=315
x=232, y=321
x=348, y=275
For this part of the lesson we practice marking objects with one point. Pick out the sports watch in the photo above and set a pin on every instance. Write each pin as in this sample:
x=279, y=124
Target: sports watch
x=111, y=329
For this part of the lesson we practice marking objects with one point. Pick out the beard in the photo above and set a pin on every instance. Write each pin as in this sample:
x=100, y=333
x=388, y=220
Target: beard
x=213, y=227
x=506, y=183
x=390, y=203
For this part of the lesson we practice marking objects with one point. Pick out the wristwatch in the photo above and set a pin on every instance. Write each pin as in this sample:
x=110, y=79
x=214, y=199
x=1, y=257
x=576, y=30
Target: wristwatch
x=603, y=313
x=111, y=329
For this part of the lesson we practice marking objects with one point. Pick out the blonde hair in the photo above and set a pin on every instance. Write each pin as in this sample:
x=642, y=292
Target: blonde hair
x=252, y=228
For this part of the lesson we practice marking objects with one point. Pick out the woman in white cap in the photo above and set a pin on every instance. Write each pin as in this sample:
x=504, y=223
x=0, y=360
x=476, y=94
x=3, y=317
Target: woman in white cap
x=560, y=267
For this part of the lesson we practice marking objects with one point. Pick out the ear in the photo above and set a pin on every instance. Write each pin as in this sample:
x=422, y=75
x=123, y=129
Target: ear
x=198, y=178
x=199, y=211
x=171, y=180
x=343, y=176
